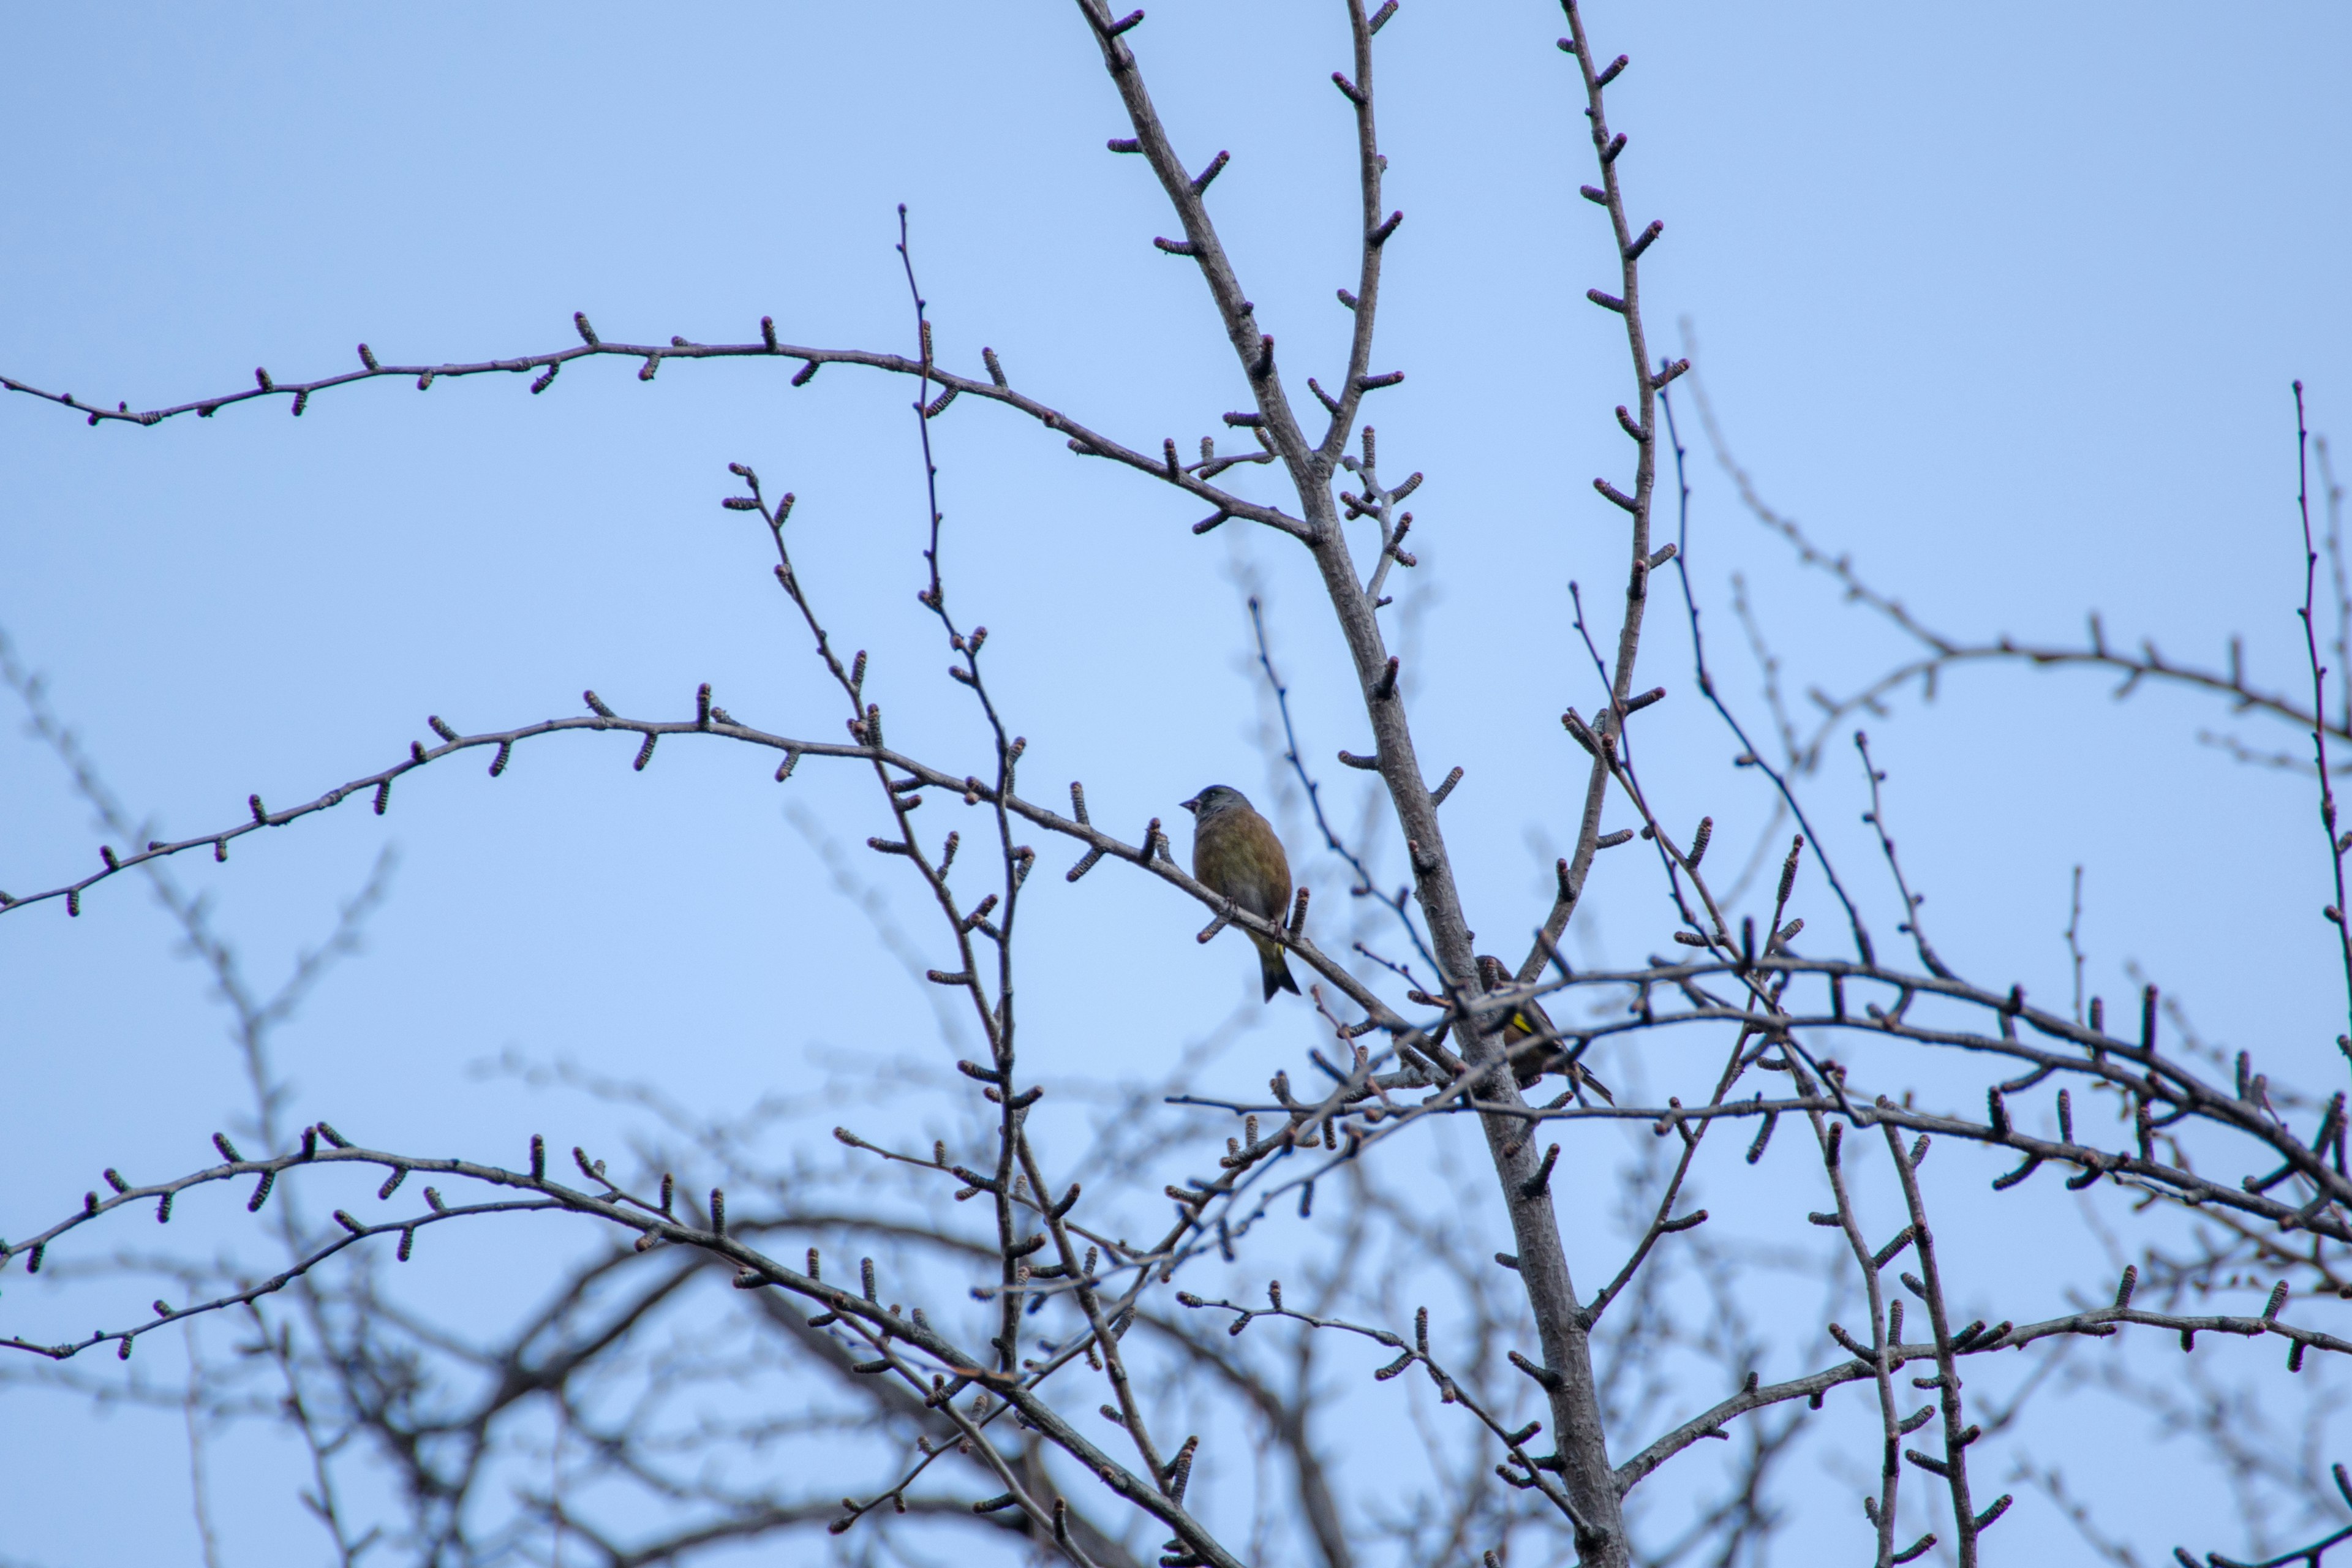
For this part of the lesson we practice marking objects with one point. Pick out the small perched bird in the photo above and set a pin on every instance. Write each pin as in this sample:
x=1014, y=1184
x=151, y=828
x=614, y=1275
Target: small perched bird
x=1529, y=1021
x=1236, y=853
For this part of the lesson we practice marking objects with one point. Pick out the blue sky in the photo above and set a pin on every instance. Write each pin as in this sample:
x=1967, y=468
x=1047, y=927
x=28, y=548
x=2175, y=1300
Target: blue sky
x=2005, y=302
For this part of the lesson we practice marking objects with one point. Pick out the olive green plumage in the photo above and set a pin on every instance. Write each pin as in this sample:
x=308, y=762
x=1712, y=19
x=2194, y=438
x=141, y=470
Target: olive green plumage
x=1529, y=1021
x=1236, y=853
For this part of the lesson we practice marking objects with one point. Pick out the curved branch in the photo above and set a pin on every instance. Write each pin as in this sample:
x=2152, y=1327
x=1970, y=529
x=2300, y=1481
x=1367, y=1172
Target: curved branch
x=1944, y=651
x=720, y=724
x=1088, y=442
x=2099, y=1324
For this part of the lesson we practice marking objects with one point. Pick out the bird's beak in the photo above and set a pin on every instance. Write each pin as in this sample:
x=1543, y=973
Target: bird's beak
x=1193, y=806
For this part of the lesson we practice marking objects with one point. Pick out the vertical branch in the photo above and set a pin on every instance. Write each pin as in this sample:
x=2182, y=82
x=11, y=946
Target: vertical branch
x=1310, y=470
x=1364, y=887
x=2074, y=940
x=1876, y=817
x=1751, y=753
x=325, y=1505
x=997, y=1021
x=1957, y=1437
x=1105, y=1331
x=2334, y=493
x=1661, y=1220
x=1642, y=426
x=2336, y=846
x=555, y=1484
x=1017, y=1161
x=199, y=1478
x=1885, y=1328
x=1370, y=166
x=1201, y=243
x=1562, y=1332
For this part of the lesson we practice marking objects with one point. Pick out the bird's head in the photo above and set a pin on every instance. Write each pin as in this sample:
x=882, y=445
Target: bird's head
x=1215, y=799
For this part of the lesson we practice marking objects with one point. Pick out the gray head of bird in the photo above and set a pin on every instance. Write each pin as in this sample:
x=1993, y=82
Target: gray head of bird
x=1216, y=800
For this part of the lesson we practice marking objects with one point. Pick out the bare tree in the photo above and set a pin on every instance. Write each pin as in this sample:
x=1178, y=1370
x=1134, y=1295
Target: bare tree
x=1022, y=1354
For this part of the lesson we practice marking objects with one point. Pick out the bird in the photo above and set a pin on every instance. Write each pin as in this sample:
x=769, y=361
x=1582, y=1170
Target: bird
x=1529, y=1021
x=1236, y=854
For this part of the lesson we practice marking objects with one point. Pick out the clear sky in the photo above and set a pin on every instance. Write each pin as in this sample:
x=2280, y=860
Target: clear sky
x=2004, y=300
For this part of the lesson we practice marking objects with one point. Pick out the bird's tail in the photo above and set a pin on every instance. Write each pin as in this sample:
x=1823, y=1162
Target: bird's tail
x=1276, y=967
